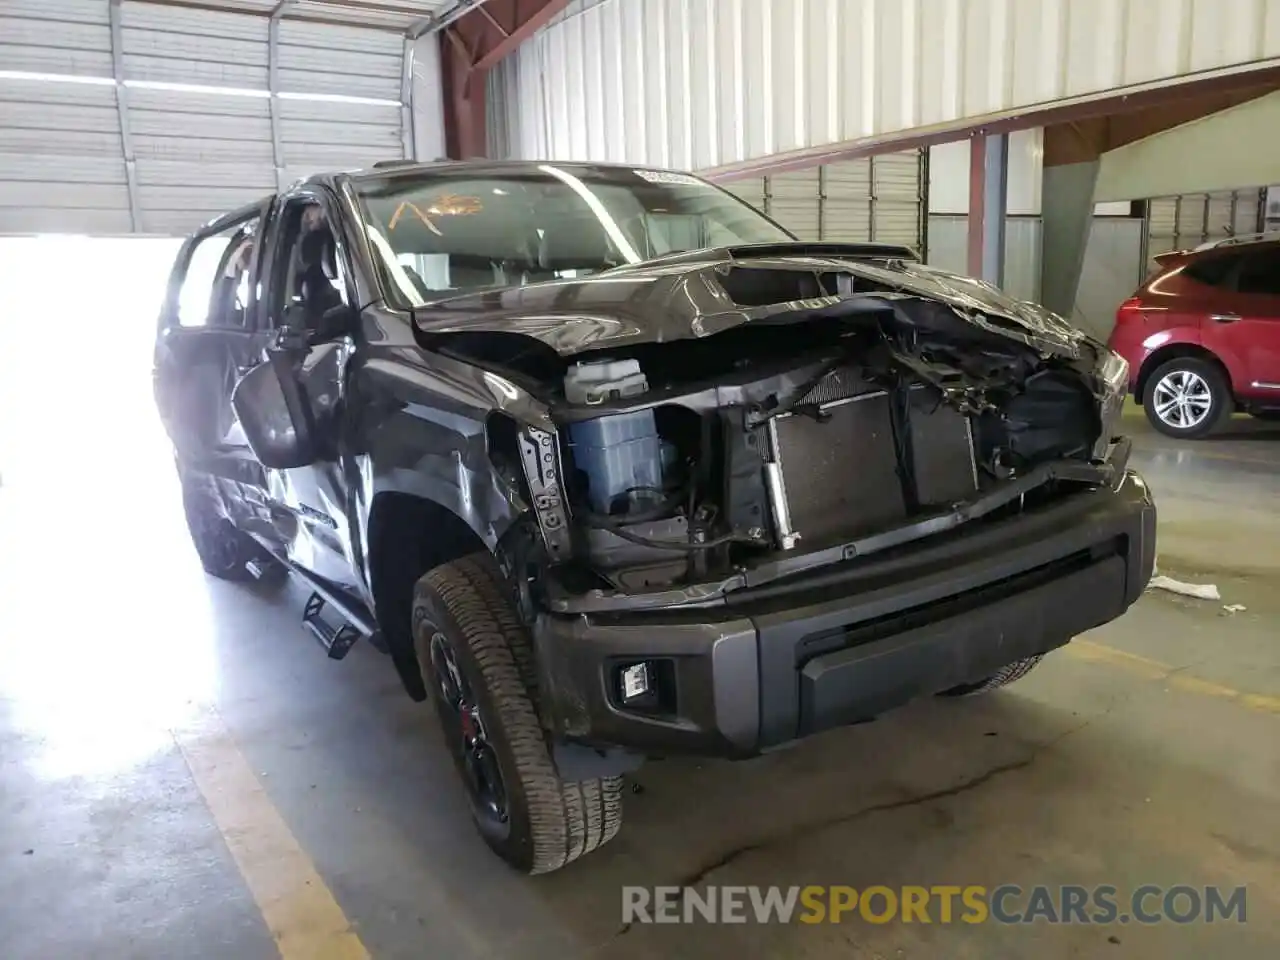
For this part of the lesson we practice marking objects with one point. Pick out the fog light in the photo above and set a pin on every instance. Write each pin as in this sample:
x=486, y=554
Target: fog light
x=637, y=681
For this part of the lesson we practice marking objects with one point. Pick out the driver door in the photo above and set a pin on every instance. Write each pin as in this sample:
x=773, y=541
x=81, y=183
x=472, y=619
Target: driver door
x=306, y=286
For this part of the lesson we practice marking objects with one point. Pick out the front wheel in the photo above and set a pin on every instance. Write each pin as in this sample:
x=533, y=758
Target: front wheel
x=477, y=663
x=1187, y=397
x=1014, y=671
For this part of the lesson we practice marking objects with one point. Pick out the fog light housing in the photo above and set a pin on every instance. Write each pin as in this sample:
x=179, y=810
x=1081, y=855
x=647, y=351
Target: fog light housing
x=636, y=682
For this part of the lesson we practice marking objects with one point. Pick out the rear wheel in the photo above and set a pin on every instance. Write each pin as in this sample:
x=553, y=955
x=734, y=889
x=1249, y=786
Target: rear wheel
x=1187, y=397
x=1014, y=671
x=224, y=551
x=477, y=663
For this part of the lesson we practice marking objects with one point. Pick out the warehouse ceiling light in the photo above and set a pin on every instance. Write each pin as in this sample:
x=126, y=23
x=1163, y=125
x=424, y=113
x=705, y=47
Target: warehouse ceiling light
x=56, y=78
x=196, y=88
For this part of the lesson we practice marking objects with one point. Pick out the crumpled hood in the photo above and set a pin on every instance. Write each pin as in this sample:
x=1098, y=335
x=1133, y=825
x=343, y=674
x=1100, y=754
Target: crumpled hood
x=688, y=296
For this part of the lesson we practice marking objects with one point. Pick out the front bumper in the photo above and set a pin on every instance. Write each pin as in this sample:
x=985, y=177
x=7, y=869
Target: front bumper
x=784, y=661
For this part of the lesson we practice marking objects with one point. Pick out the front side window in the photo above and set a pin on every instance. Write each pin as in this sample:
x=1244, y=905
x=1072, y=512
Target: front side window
x=441, y=232
x=308, y=279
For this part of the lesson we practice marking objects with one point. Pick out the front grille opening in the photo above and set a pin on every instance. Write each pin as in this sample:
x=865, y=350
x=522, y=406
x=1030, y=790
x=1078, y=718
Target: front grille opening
x=869, y=631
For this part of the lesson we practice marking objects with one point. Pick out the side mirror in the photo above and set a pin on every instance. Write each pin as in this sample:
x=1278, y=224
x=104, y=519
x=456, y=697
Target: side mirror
x=275, y=414
x=300, y=332
x=339, y=321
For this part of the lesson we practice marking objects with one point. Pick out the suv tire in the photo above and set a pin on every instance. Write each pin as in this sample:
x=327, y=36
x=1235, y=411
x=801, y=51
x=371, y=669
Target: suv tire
x=477, y=662
x=224, y=551
x=1200, y=381
x=1014, y=671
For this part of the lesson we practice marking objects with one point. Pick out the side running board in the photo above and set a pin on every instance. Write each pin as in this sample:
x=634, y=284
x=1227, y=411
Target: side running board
x=337, y=641
x=354, y=619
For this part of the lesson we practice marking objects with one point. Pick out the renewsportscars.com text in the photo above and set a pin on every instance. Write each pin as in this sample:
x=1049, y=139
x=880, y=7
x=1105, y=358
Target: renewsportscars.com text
x=942, y=904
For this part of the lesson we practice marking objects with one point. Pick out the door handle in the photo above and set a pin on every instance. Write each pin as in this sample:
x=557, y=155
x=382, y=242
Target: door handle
x=1224, y=317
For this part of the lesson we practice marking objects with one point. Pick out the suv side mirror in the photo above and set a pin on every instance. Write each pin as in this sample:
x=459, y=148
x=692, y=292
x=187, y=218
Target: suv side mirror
x=273, y=410
x=339, y=321
x=298, y=332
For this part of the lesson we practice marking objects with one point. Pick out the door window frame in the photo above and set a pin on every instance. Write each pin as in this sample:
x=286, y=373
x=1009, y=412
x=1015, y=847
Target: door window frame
x=274, y=274
x=170, y=318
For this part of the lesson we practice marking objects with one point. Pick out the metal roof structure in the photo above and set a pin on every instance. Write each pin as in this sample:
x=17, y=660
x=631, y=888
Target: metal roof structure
x=394, y=15
x=151, y=116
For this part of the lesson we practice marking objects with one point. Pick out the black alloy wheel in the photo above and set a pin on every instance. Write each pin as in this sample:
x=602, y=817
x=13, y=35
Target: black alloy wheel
x=468, y=737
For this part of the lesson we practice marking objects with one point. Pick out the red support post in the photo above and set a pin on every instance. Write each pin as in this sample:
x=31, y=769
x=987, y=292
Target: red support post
x=977, y=202
x=469, y=48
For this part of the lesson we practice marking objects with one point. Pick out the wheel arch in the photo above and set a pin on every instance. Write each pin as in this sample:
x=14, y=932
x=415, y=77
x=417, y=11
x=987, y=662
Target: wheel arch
x=407, y=536
x=1175, y=351
x=440, y=478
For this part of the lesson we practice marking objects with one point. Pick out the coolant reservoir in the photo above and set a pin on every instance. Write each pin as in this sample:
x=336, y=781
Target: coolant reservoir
x=621, y=454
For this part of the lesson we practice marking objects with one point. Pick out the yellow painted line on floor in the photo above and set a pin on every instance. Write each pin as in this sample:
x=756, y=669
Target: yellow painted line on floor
x=299, y=909
x=1173, y=676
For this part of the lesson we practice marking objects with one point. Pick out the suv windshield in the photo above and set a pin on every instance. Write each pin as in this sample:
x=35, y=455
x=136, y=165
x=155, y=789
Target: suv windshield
x=443, y=231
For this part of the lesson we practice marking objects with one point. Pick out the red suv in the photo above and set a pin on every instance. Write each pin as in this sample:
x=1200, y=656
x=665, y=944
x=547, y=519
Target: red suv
x=1202, y=335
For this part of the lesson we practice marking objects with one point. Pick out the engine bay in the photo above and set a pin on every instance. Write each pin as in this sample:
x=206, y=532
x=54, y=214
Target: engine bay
x=679, y=463
x=727, y=421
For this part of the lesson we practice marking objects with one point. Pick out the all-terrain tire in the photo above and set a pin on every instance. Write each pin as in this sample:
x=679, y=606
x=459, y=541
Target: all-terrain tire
x=224, y=551
x=549, y=822
x=1006, y=675
x=1221, y=402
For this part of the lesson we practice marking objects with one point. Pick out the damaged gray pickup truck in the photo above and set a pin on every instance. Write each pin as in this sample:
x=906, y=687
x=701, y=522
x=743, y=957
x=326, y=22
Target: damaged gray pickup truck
x=612, y=466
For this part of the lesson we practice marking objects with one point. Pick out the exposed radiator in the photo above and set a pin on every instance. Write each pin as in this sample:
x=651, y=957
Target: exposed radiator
x=841, y=475
x=838, y=477
x=945, y=466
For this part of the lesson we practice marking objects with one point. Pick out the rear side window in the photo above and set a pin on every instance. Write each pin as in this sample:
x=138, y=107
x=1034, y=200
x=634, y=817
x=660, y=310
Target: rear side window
x=215, y=290
x=1260, y=273
x=1211, y=271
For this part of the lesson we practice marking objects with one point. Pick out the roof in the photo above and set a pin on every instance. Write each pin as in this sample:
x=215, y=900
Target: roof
x=405, y=168
x=395, y=15
x=1240, y=240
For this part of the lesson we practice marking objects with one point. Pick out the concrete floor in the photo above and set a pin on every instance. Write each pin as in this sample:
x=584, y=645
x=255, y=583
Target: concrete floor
x=1148, y=754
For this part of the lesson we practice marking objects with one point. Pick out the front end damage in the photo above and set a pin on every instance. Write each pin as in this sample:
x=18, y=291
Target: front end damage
x=821, y=431
x=846, y=485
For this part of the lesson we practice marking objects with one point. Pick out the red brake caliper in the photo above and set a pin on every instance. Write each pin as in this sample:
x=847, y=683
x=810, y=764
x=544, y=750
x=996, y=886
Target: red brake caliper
x=469, y=727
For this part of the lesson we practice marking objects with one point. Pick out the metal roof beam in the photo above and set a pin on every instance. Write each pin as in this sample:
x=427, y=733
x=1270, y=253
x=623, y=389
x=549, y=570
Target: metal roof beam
x=478, y=40
x=455, y=13
x=273, y=87
x=122, y=114
x=408, y=133
x=342, y=15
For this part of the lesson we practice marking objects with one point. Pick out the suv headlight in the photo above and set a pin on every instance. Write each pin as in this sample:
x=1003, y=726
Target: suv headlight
x=1114, y=372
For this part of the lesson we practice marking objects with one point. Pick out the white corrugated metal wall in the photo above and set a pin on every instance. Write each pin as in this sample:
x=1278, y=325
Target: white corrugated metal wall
x=700, y=84
x=1177, y=223
x=60, y=153
x=151, y=118
x=871, y=198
